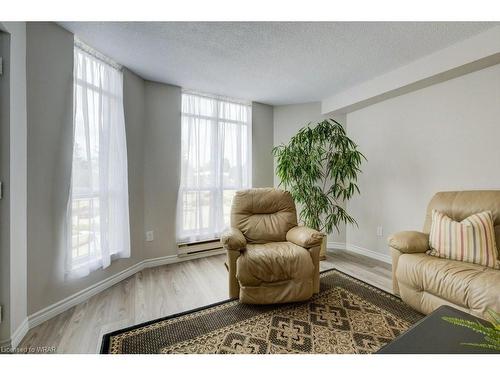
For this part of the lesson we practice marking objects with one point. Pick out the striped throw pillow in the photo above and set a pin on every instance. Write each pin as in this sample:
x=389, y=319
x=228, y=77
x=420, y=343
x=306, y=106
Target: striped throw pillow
x=471, y=240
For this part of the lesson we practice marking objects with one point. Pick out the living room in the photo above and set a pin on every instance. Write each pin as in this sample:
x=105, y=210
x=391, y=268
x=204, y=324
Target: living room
x=239, y=185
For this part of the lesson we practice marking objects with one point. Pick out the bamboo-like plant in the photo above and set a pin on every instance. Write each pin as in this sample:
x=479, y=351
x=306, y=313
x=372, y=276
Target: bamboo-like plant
x=491, y=334
x=320, y=166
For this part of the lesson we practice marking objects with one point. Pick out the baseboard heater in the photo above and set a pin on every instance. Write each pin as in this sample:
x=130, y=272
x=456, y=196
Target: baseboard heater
x=198, y=247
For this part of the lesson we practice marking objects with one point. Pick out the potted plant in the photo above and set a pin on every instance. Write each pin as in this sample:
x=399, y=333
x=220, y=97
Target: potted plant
x=320, y=166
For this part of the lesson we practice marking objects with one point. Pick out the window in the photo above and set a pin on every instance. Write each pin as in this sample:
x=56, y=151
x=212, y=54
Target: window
x=215, y=163
x=98, y=212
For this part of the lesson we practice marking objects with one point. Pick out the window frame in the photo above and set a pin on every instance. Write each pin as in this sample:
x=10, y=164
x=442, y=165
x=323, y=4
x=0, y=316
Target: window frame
x=218, y=121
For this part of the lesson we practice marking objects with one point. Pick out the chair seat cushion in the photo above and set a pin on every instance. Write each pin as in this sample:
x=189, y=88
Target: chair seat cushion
x=470, y=286
x=273, y=262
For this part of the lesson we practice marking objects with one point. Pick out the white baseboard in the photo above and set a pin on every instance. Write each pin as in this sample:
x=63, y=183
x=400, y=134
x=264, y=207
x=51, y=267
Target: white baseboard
x=19, y=333
x=335, y=245
x=17, y=336
x=55, y=309
x=360, y=250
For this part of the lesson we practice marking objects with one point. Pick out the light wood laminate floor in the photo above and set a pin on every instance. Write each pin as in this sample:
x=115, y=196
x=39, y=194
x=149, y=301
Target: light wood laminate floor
x=162, y=291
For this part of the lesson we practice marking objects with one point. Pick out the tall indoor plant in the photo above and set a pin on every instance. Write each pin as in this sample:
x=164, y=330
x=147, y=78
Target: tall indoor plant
x=319, y=166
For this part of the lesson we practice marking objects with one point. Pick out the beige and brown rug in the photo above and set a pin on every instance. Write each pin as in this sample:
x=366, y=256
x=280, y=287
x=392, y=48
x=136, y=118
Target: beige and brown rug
x=347, y=316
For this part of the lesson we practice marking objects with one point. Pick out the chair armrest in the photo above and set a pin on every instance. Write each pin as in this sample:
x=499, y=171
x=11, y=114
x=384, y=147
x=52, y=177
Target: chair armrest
x=409, y=242
x=305, y=237
x=233, y=239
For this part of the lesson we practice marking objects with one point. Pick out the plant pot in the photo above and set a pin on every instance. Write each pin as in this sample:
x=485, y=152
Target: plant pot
x=322, y=251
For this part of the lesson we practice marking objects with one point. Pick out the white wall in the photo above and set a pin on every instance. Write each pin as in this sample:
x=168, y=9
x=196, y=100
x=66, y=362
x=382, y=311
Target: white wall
x=262, y=145
x=5, y=178
x=161, y=166
x=444, y=137
x=15, y=305
x=49, y=94
x=18, y=176
x=134, y=108
x=288, y=119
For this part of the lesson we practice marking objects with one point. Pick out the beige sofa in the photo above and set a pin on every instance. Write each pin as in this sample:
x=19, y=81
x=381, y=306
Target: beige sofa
x=269, y=258
x=426, y=282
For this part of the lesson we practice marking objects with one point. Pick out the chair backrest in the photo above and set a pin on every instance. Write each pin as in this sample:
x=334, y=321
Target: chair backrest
x=263, y=214
x=458, y=205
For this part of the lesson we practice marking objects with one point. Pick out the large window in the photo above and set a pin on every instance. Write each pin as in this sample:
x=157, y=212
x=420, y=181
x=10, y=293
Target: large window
x=98, y=215
x=216, y=162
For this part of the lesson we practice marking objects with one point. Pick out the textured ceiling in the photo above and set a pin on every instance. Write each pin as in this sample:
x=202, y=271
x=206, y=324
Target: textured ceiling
x=269, y=62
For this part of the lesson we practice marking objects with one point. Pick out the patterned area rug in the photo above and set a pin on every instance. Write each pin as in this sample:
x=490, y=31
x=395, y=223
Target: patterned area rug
x=347, y=316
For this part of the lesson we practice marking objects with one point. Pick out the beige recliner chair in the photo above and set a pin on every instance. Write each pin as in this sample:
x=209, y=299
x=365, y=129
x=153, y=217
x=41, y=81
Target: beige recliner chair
x=269, y=258
x=426, y=282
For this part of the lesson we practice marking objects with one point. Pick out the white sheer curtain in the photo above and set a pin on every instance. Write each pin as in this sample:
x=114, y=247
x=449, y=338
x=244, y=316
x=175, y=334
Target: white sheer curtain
x=98, y=211
x=216, y=162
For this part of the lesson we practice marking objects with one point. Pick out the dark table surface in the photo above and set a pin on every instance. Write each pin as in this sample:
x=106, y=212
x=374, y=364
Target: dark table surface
x=433, y=335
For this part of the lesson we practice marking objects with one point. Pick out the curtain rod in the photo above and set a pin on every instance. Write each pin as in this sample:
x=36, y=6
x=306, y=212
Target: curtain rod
x=96, y=54
x=217, y=97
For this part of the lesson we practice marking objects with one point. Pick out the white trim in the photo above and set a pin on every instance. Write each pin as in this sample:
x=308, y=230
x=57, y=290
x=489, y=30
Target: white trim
x=19, y=333
x=55, y=309
x=335, y=245
x=360, y=250
x=17, y=336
